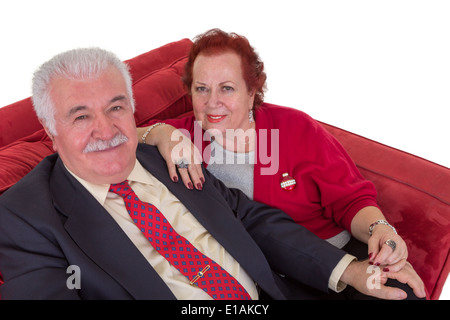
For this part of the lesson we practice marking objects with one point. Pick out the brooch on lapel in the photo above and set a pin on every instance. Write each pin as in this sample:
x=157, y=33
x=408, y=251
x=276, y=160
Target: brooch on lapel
x=287, y=182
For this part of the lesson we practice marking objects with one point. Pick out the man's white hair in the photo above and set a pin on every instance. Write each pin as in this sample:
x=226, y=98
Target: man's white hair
x=77, y=64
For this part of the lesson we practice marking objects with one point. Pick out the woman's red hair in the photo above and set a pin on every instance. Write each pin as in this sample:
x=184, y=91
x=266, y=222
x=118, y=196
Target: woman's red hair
x=216, y=41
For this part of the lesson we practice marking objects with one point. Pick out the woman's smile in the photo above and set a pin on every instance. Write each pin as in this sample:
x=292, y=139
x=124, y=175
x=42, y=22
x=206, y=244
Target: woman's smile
x=214, y=118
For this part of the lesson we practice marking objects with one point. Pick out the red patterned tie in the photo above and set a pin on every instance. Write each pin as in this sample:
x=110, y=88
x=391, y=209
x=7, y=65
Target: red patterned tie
x=179, y=252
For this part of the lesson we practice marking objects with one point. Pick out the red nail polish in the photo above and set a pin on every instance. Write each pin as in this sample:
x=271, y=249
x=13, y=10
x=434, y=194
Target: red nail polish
x=370, y=255
x=385, y=269
x=202, y=180
x=190, y=186
x=175, y=179
x=199, y=186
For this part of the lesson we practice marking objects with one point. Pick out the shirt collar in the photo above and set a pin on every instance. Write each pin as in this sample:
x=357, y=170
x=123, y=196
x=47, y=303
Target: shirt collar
x=100, y=191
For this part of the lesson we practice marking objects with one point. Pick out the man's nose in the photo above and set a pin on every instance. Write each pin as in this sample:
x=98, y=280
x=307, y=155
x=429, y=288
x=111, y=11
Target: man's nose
x=103, y=128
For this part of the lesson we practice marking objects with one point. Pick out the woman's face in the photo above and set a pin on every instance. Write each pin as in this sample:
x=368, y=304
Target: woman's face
x=220, y=96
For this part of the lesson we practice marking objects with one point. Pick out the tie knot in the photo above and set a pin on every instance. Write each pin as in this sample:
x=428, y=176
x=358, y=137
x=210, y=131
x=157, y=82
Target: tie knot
x=122, y=189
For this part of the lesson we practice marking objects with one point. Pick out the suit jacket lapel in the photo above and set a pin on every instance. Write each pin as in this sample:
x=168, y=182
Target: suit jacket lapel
x=101, y=238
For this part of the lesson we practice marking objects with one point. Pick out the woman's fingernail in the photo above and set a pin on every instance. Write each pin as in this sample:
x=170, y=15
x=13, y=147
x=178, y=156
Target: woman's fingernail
x=385, y=269
x=202, y=180
x=370, y=255
x=199, y=186
x=190, y=186
x=175, y=179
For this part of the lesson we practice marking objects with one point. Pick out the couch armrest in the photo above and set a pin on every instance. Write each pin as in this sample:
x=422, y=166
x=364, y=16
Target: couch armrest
x=413, y=194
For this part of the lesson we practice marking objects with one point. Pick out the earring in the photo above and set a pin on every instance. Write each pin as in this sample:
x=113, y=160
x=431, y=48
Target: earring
x=250, y=117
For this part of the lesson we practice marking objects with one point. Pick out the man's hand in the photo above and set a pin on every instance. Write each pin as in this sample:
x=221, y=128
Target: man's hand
x=370, y=280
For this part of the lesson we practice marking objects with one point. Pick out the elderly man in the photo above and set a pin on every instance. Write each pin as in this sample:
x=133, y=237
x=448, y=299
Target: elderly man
x=106, y=210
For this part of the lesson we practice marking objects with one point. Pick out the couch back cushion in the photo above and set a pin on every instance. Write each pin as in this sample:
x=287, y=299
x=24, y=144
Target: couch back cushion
x=17, y=121
x=157, y=86
x=158, y=93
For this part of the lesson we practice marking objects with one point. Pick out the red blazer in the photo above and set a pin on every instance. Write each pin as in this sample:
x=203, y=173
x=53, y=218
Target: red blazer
x=329, y=189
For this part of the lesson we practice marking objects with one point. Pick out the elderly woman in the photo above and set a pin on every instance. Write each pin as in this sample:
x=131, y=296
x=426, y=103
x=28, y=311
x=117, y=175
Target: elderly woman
x=276, y=155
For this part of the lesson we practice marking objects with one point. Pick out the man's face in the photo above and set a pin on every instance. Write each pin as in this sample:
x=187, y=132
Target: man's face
x=96, y=131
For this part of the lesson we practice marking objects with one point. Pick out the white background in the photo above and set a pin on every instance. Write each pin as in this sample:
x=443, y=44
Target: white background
x=377, y=68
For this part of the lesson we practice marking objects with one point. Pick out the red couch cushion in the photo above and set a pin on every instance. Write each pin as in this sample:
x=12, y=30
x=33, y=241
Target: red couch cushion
x=161, y=94
x=157, y=86
x=19, y=157
x=17, y=120
x=414, y=196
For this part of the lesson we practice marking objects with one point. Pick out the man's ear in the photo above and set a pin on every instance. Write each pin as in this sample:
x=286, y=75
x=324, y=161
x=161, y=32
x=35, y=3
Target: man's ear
x=51, y=136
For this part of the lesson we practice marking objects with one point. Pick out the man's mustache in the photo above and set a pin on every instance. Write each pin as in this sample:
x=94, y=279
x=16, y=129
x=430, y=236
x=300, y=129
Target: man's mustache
x=100, y=145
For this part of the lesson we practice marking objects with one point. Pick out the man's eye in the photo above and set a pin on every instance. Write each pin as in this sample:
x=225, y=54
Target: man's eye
x=83, y=117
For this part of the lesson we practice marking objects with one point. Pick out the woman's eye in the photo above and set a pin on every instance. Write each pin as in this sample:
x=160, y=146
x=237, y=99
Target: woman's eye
x=201, y=89
x=228, y=88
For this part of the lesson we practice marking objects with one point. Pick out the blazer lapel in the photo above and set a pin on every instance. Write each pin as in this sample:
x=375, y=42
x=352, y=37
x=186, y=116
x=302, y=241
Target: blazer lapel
x=101, y=238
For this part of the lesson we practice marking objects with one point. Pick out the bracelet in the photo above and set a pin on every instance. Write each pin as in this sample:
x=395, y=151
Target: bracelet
x=384, y=222
x=149, y=129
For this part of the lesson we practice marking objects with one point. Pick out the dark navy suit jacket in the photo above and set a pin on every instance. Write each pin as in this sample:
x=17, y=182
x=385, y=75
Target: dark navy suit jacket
x=48, y=221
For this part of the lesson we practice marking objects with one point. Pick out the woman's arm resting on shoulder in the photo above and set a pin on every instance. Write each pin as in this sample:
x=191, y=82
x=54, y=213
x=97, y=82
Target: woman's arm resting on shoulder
x=175, y=148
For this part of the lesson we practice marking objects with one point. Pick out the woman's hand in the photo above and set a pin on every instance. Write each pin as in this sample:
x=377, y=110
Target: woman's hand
x=179, y=153
x=381, y=253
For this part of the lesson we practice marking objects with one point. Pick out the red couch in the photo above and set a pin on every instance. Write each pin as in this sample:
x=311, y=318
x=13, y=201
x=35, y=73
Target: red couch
x=413, y=193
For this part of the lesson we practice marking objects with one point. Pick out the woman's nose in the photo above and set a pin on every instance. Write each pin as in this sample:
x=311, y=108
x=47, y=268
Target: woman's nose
x=214, y=99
